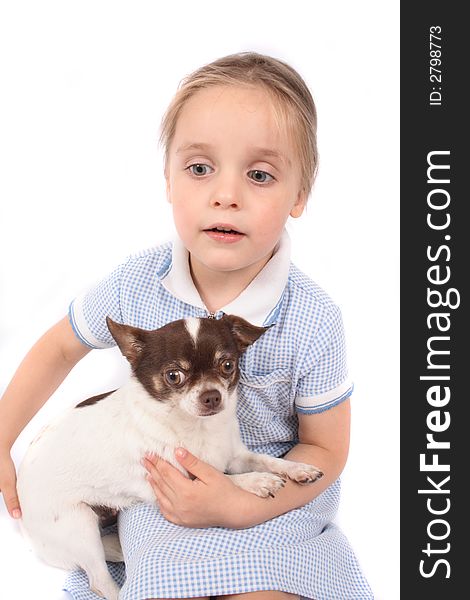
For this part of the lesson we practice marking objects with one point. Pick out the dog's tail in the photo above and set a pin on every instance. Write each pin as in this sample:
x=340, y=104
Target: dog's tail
x=112, y=548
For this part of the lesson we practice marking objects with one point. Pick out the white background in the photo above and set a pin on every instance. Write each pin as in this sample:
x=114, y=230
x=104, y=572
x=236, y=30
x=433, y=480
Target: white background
x=84, y=86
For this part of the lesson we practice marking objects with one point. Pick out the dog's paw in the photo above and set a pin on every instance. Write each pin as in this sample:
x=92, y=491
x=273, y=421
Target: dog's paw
x=302, y=473
x=262, y=484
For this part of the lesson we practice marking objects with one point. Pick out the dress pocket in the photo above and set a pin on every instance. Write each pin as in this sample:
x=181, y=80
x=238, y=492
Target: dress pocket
x=265, y=399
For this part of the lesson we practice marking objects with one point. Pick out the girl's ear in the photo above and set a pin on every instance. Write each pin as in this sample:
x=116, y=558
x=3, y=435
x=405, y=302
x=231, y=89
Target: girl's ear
x=299, y=205
x=168, y=189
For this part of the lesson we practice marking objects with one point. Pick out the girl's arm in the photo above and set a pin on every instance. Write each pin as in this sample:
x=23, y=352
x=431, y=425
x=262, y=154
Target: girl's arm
x=213, y=500
x=324, y=442
x=40, y=373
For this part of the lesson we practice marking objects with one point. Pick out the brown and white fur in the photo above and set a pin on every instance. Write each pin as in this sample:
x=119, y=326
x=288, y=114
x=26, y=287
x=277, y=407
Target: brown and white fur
x=182, y=392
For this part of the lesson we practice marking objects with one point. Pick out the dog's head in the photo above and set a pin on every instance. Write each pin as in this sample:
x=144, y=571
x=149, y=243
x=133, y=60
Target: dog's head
x=191, y=363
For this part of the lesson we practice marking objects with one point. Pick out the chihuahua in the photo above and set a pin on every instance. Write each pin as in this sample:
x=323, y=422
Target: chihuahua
x=182, y=392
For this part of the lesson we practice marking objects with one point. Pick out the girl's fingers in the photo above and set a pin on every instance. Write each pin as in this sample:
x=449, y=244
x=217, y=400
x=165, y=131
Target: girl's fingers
x=8, y=489
x=193, y=465
x=160, y=480
x=161, y=499
x=173, y=476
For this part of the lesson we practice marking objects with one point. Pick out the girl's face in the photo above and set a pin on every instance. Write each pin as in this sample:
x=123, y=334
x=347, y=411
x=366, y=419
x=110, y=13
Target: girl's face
x=232, y=178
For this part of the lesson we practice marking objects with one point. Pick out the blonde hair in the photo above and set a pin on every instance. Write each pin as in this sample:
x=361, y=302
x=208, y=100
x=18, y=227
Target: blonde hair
x=292, y=102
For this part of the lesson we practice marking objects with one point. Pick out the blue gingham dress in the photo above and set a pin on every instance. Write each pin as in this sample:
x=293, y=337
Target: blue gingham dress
x=298, y=365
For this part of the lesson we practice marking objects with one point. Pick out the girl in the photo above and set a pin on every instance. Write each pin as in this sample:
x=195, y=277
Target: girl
x=240, y=158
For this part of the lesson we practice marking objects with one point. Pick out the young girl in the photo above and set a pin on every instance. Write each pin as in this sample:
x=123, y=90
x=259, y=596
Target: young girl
x=240, y=158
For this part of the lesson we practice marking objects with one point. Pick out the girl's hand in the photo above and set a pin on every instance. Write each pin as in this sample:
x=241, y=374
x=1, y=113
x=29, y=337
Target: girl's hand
x=210, y=500
x=8, y=485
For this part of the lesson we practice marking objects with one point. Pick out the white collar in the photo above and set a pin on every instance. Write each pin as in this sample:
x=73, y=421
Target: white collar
x=258, y=301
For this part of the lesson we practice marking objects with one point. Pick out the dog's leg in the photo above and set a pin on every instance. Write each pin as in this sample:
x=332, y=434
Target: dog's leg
x=91, y=556
x=245, y=461
x=76, y=538
x=101, y=582
x=112, y=548
x=261, y=484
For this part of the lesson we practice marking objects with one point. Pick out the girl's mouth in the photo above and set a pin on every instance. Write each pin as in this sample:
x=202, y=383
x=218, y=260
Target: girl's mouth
x=223, y=230
x=224, y=234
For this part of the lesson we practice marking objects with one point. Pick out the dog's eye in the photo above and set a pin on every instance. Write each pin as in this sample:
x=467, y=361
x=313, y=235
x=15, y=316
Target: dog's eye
x=174, y=377
x=227, y=367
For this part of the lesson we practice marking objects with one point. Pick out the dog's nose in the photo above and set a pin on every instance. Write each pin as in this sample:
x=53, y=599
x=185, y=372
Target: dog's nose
x=210, y=399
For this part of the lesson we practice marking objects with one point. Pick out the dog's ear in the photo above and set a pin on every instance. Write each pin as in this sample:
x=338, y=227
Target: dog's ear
x=244, y=332
x=129, y=339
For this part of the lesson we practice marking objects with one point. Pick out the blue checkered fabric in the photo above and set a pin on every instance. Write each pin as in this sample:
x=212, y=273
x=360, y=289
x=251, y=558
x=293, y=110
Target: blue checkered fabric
x=301, y=552
x=297, y=366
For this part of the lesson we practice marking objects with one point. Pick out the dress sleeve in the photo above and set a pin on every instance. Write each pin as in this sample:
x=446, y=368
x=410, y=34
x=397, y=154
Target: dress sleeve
x=88, y=312
x=325, y=380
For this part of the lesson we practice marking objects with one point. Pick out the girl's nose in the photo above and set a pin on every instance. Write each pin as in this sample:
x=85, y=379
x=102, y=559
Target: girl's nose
x=227, y=193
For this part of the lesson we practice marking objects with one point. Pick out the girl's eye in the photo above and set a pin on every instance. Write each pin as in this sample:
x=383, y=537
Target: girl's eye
x=227, y=367
x=174, y=377
x=199, y=169
x=260, y=176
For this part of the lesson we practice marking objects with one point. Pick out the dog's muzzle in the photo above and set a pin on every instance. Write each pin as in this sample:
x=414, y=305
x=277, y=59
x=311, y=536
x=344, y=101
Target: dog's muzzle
x=210, y=402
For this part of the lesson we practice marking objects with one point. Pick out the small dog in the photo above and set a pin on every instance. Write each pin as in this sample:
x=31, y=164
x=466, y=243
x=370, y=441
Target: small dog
x=182, y=392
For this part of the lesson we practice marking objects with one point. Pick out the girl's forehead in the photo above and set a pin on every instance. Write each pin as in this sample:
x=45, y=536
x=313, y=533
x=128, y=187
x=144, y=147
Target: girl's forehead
x=227, y=96
x=239, y=113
